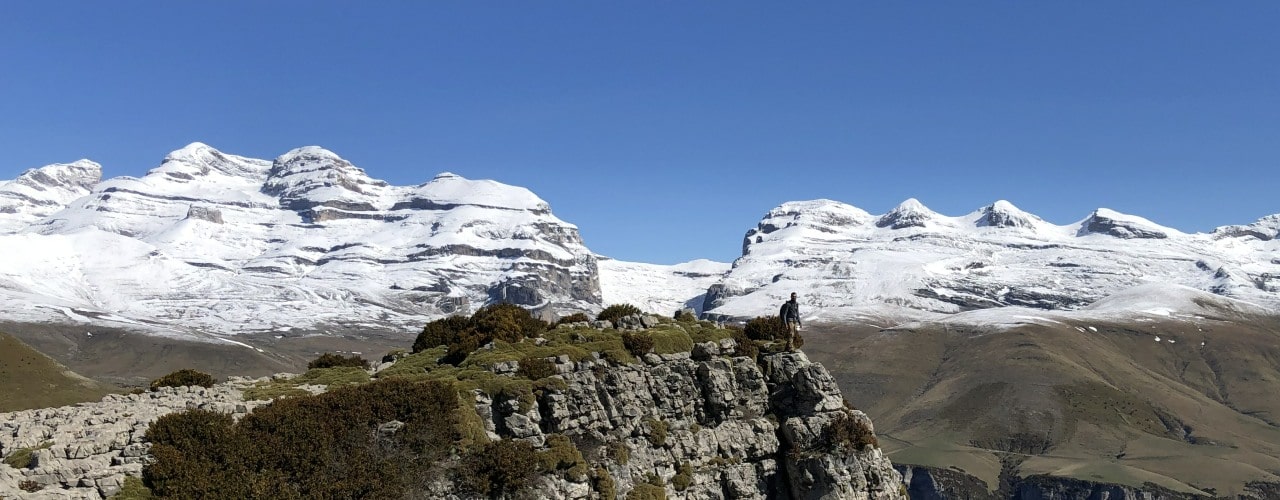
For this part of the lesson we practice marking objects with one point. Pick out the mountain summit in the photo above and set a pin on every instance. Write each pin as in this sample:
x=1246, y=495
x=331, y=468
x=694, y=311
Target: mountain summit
x=915, y=259
x=308, y=242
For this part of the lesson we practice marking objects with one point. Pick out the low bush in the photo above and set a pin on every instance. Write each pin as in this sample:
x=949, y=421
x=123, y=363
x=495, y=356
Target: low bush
x=30, y=486
x=685, y=316
x=848, y=433
x=765, y=328
x=657, y=432
x=291, y=448
x=183, y=378
x=619, y=452
x=638, y=344
x=647, y=491
x=684, y=478
x=21, y=458
x=617, y=311
x=328, y=360
x=534, y=368
x=604, y=484
x=500, y=467
x=745, y=346
x=463, y=335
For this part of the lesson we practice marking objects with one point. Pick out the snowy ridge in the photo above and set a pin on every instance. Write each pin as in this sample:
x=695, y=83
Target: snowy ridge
x=846, y=263
x=213, y=242
x=656, y=288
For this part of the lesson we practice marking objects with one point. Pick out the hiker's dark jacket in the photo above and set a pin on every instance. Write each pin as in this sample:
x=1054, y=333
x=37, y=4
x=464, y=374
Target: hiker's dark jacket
x=791, y=311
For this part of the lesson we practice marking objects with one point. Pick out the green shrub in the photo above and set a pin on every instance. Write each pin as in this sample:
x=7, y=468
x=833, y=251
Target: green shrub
x=765, y=328
x=657, y=432
x=617, y=311
x=563, y=456
x=21, y=458
x=573, y=318
x=508, y=322
x=534, y=368
x=745, y=346
x=462, y=335
x=604, y=484
x=501, y=467
x=328, y=360
x=133, y=489
x=684, y=478
x=848, y=433
x=647, y=491
x=619, y=452
x=685, y=316
x=290, y=448
x=182, y=378
x=443, y=332
x=637, y=343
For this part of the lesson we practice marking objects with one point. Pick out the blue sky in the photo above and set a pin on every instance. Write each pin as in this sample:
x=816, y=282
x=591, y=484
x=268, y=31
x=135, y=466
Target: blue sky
x=665, y=130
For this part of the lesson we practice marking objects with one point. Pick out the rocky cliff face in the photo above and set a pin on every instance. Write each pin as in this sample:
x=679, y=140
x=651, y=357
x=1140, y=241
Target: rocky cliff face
x=209, y=242
x=729, y=427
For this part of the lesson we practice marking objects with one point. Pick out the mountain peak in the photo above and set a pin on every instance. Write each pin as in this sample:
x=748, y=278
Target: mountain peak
x=909, y=213
x=1004, y=214
x=79, y=174
x=1120, y=225
x=199, y=159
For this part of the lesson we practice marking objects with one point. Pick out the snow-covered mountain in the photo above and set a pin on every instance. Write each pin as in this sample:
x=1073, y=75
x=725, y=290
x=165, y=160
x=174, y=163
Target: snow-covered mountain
x=845, y=262
x=656, y=288
x=209, y=242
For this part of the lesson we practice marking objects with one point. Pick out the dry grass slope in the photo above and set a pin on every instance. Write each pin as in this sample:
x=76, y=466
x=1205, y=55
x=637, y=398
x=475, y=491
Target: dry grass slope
x=1107, y=404
x=29, y=379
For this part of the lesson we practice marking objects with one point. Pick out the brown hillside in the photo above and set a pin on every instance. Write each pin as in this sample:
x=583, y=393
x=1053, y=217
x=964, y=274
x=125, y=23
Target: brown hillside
x=1111, y=405
x=29, y=379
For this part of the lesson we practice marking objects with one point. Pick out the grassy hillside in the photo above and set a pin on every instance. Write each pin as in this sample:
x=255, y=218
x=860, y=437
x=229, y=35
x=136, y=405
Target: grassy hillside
x=29, y=379
x=1100, y=401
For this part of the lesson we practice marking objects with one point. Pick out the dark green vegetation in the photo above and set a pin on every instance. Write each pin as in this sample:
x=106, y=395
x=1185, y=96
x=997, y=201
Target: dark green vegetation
x=1095, y=400
x=29, y=379
x=617, y=311
x=292, y=448
x=416, y=423
x=183, y=378
x=330, y=360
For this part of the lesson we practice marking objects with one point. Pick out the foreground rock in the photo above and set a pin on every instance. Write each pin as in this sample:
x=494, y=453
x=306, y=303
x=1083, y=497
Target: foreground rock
x=86, y=450
x=705, y=424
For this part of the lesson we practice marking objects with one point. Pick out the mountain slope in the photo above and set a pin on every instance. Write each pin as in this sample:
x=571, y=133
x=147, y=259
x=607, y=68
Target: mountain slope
x=213, y=243
x=657, y=288
x=1159, y=384
x=29, y=379
x=845, y=263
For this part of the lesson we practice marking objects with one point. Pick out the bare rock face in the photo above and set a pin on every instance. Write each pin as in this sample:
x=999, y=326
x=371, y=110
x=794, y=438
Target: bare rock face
x=86, y=450
x=742, y=429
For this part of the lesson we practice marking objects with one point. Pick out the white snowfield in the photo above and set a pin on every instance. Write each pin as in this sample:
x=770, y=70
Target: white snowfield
x=212, y=243
x=846, y=263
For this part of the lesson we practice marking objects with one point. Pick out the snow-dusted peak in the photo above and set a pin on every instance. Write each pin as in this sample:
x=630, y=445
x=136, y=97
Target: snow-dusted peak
x=449, y=189
x=77, y=175
x=910, y=213
x=199, y=160
x=1005, y=214
x=1265, y=229
x=42, y=191
x=309, y=176
x=1113, y=223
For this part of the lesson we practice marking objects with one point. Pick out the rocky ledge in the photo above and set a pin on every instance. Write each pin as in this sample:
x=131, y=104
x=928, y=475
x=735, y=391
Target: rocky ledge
x=703, y=424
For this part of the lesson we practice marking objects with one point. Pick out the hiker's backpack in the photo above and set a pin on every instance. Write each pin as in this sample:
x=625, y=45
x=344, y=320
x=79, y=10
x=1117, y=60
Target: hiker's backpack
x=782, y=313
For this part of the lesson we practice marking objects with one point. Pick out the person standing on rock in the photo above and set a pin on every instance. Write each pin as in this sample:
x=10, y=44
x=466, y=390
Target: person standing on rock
x=791, y=318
